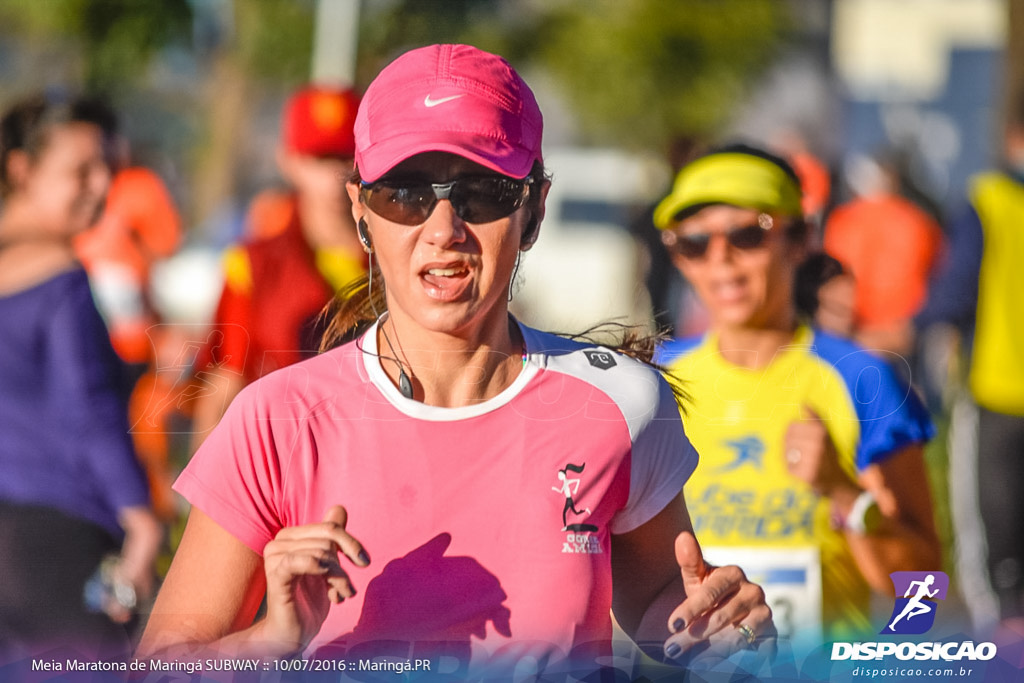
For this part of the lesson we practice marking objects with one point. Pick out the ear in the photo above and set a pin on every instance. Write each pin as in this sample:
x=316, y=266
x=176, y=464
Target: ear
x=364, y=235
x=529, y=233
x=682, y=265
x=358, y=209
x=532, y=228
x=18, y=165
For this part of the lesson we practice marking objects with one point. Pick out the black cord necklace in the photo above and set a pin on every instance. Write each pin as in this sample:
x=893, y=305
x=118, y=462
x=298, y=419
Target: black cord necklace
x=404, y=383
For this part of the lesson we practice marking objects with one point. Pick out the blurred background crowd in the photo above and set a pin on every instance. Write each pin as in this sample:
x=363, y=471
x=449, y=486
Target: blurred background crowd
x=885, y=109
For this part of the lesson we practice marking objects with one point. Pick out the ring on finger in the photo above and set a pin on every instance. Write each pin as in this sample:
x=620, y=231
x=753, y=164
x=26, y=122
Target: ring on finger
x=747, y=633
x=793, y=456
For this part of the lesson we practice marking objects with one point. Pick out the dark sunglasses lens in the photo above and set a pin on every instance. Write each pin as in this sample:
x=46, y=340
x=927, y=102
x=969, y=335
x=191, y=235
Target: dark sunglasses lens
x=482, y=200
x=750, y=237
x=693, y=246
x=475, y=200
x=403, y=204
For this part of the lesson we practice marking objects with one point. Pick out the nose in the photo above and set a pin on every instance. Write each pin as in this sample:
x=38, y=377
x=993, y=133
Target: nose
x=719, y=249
x=443, y=227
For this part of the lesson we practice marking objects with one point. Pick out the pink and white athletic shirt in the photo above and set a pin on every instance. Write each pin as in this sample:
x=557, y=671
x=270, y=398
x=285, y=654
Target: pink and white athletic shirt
x=488, y=526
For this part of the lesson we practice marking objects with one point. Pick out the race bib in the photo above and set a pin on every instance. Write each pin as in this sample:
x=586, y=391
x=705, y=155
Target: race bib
x=791, y=579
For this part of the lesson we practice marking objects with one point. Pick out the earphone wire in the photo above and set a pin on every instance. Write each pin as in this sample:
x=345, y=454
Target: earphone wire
x=404, y=383
x=515, y=272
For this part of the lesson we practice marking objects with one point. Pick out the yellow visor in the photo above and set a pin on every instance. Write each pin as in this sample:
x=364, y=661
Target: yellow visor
x=730, y=178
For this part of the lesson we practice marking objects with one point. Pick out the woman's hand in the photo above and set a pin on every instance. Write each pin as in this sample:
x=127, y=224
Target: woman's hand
x=723, y=612
x=811, y=456
x=304, y=576
x=131, y=579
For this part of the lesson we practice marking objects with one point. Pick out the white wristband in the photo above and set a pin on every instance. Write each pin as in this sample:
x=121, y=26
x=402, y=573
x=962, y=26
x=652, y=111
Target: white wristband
x=856, y=520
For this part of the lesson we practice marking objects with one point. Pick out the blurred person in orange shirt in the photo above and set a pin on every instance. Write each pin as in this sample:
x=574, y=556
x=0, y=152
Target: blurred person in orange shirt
x=299, y=250
x=890, y=246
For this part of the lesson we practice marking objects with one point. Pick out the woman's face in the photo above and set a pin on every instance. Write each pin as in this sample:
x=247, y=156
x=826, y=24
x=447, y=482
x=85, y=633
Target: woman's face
x=65, y=185
x=741, y=287
x=446, y=275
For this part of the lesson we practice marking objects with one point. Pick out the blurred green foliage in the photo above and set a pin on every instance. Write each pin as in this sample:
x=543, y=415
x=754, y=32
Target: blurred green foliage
x=390, y=27
x=648, y=70
x=116, y=38
x=637, y=73
x=274, y=38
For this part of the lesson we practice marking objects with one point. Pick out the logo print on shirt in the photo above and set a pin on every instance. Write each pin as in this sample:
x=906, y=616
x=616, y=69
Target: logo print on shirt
x=600, y=359
x=914, y=613
x=580, y=538
x=429, y=103
x=748, y=450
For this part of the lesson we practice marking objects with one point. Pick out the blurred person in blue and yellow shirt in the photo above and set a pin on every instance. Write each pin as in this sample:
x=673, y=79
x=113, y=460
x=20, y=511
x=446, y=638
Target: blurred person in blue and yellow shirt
x=811, y=466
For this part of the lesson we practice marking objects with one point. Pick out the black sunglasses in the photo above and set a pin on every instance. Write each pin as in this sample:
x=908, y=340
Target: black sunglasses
x=695, y=245
x=475, y=199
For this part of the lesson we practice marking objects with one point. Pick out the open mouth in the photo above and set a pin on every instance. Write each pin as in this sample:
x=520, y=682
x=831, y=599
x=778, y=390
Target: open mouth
x=730, y=290
x=446, y=282
x=447, y=272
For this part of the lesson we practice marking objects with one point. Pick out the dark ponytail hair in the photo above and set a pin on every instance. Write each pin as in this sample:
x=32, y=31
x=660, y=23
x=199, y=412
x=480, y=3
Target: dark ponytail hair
x=811, y=275
x=352, y=310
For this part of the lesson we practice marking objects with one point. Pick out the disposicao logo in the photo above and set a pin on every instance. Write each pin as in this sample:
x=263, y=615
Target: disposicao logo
x=914, y=612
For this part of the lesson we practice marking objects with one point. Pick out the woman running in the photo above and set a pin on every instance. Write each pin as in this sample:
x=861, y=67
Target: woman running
x=430, y=443
x=811, y=448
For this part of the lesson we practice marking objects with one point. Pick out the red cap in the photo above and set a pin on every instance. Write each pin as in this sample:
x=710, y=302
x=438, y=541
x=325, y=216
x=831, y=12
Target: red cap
x=449, y=98
x=318, y=121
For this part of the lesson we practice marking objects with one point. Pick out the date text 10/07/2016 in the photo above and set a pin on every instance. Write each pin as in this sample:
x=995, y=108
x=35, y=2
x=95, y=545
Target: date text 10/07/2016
x=389, y=665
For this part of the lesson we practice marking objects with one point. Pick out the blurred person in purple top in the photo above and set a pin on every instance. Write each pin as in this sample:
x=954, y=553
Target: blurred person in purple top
x=72, y=492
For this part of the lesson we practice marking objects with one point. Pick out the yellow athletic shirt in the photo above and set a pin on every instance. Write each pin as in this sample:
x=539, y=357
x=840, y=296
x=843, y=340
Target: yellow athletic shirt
x=743, y=502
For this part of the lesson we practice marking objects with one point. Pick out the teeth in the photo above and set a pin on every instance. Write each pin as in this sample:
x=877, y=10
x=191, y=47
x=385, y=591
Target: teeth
x=445, y=272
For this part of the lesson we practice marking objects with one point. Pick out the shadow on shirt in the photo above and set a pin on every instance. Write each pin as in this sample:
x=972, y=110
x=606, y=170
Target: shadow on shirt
x=426, y=605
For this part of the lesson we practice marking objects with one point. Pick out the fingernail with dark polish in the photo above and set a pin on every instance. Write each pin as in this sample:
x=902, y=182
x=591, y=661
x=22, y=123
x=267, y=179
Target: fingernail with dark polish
x=363, y=557
x=678, y=625
x=324, y=563
x=673, y=650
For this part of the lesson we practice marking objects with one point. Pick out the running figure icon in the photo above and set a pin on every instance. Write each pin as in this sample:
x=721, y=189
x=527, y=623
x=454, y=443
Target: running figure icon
x=569, y=488
x=915, y=606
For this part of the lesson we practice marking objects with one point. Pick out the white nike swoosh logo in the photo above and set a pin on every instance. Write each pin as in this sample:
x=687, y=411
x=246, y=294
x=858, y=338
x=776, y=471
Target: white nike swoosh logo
x=427, y=102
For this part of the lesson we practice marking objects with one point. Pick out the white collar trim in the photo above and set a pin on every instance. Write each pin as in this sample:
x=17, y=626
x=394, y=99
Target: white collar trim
x=367, y=345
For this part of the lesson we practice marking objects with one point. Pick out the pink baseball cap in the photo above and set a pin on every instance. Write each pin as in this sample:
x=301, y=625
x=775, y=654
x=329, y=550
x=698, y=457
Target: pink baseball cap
x=448, y=98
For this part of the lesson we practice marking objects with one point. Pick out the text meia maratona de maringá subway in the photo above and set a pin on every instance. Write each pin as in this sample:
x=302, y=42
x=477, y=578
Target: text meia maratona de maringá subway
x=189, y=667
x=77, y=665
